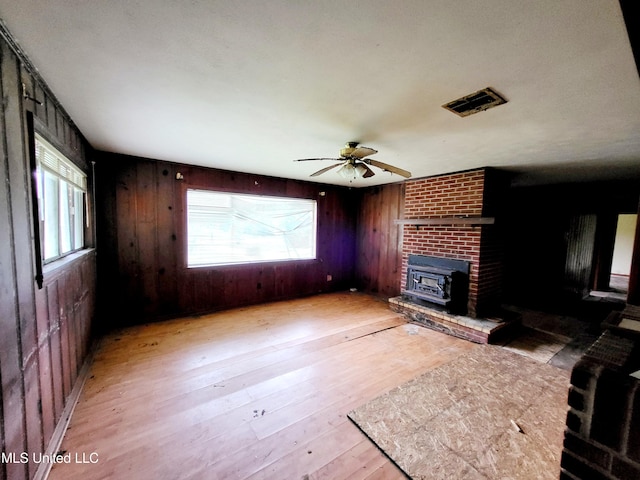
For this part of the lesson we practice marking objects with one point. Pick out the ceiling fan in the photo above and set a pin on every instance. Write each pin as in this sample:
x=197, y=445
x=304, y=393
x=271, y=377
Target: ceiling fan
x=354, y=164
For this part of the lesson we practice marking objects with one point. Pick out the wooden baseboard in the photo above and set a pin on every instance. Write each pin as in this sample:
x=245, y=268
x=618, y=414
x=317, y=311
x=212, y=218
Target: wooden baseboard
x=61, y=428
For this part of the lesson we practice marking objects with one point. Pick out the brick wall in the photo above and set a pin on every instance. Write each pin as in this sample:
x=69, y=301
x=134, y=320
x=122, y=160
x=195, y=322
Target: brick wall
x=602, y=437
x=472, y=193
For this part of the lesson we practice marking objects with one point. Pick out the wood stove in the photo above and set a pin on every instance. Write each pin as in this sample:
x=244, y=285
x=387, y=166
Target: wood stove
x=436, y=281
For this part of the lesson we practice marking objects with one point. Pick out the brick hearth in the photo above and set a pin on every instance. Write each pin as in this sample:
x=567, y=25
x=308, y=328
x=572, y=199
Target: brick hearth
x=485, y=330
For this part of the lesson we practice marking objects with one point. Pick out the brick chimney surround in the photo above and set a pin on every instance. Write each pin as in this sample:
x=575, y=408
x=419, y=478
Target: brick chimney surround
x=454, y=216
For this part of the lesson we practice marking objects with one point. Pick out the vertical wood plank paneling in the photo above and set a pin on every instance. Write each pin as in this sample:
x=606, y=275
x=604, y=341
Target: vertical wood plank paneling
x=386, y=264
x=38, y=362
x=44, y=355
x=51, y=114
x=35, y=440
x=64, y=338
x=266, y=284
x=166, y=232
x=57, y=372
x=87, y=301
x=14, y=402
x=285, y=282
x=60, y=133
x=71, y=287
x=40, y=110
x=108, y=272
x=536, y=231
x=144, y=203
x=364, y=267
x=13, y=413
x=25, y=276
x=391, y=264
x=379, y=240
x=580, y=244
x=146, y=233
x=130, y=292
x=197, y=287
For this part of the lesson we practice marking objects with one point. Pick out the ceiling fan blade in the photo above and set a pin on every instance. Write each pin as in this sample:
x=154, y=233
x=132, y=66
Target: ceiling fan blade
x=326, y=169
x=309, y=159
x=388, y=168
x=361, y=152
x=368, y=172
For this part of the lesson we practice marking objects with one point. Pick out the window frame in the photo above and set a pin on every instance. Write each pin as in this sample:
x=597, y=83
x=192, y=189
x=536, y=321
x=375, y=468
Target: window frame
x=239, y=264
x=77, y=186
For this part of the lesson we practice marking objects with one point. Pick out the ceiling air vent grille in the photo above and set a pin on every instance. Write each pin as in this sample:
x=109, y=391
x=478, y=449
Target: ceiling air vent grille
x=476, y=102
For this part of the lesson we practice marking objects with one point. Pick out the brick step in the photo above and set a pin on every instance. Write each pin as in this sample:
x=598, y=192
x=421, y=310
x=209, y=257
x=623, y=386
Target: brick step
x=478, y=330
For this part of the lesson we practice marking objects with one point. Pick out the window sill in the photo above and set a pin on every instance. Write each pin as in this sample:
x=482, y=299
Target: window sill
x=263, y=263
x=54, y=269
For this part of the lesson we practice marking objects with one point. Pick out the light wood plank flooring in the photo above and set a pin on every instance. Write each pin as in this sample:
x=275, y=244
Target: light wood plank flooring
x=251, y=393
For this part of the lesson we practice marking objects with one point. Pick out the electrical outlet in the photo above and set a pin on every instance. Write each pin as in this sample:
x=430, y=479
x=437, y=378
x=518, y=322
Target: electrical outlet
x=329, y=278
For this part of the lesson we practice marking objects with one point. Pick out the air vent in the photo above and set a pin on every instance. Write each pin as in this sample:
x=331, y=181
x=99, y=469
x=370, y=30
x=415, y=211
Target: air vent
x=476, y=102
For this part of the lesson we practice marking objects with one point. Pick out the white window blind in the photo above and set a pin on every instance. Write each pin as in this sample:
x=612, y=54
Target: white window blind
x=228, y=228
x=52, y=160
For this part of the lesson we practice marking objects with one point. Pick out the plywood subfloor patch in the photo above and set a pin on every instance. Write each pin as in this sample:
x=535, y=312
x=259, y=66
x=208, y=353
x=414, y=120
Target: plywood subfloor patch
x=459, y=420
x=538, y=345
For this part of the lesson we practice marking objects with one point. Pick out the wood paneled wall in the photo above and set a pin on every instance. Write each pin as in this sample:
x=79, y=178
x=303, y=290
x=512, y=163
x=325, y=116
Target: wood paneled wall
x=379, y=240
x=579, y=260
x=143, y=273
x=550, y=252
x=44, y=334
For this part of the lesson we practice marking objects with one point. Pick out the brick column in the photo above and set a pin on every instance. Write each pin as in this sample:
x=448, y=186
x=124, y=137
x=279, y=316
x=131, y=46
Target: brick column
x=463, y=194
x=602, y=436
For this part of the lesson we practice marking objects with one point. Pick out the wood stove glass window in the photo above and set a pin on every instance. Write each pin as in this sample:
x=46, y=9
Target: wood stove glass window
x=431, y=284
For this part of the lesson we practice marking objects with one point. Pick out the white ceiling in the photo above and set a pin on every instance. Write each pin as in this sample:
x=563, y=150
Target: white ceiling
x=251, y=85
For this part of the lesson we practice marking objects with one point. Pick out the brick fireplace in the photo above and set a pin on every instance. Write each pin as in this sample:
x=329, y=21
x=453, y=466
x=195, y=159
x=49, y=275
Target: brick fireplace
x=456, y=200
x=456, y=217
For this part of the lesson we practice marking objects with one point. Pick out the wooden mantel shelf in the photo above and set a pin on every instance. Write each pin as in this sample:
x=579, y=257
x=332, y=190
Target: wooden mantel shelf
x=447, y=221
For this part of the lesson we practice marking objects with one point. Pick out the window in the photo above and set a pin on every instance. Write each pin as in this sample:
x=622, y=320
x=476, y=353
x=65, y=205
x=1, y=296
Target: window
x=228, y=228
x=61, y=188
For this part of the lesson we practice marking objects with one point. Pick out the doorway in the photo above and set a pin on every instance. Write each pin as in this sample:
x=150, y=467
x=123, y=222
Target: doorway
x=623, y=253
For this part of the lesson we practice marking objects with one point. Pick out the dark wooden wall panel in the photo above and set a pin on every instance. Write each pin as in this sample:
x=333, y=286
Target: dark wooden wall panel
x=55, y=339
x=13, y=404
x=142, y=218
x=148, y=247
x=580, y=236
x=540, y=241
x=43, y=332
x=379, y=240
x=167, y=289
x=65, y=365
x=44, y=358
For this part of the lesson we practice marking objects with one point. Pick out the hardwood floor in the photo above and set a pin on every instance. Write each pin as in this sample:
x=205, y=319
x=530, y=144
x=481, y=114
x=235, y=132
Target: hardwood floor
x=250, y=393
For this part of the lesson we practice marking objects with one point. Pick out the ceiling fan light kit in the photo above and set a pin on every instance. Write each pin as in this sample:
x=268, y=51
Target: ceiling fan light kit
x=354, y=164
x=347, y=171
x=361, y=170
